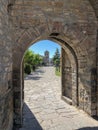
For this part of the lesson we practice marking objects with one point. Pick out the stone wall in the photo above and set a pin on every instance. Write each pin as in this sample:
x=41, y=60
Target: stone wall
x=94, y=76
x=64, y=22
x=97, y=69
x=70, y=76
x=59, y=20
x=66, y=76
x=6, y=94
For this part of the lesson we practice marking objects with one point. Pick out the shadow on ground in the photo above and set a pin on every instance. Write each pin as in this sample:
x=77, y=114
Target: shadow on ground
x=31, y=123
x=31, y=77
x=40, y=71
x=34, y=75
x=89, y=128
x=29, y=120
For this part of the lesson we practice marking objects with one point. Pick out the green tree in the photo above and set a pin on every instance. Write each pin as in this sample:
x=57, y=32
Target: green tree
x=56, y=58
x=56, y=61
x=27, y=68
x=29, y=57
x=37, y=61
x=32, y=60
x=28, y=61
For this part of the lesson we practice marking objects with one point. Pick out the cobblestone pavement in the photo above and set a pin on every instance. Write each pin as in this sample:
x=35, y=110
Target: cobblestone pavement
x=44, y=109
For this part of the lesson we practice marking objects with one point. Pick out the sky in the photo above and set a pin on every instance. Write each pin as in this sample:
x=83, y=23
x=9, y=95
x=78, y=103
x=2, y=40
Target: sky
x=43, y=45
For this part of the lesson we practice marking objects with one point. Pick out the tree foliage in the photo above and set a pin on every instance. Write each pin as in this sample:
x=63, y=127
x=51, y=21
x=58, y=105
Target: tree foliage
x=32, y=60
x=37, y=59
x=29, y=57
x=56, y=58
x=27, y=68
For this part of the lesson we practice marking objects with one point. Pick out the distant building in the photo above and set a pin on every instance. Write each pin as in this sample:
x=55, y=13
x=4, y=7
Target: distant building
x=47, y=61
x=46, y=58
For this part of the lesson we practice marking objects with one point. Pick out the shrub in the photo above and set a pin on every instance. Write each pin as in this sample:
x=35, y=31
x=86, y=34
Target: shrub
x=27, y=68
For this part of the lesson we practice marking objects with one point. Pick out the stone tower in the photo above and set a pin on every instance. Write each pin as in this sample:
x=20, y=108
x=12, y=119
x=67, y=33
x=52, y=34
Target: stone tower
x=46, y=58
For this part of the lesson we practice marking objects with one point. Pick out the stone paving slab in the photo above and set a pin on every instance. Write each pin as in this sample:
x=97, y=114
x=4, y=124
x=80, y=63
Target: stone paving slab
x=44, y=109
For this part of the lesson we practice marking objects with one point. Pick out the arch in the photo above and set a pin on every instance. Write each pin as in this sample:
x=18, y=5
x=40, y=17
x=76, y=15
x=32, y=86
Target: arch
x=67, y=26
x=67, y=49
x=19, y=84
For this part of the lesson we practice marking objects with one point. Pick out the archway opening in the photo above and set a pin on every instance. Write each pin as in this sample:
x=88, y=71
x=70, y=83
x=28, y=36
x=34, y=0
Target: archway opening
x=66, y=89
x=66, y=50
x=68, y=66
x=42, y=87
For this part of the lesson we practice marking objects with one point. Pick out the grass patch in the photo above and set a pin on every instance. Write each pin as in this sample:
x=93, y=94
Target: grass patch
x=57, y=72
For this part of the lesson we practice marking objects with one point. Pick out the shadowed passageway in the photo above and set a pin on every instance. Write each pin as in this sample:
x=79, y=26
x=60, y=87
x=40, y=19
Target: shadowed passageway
x=44, y=109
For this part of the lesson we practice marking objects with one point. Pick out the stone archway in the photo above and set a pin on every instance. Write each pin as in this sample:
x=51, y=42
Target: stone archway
x=18, y=78
x=66, y=25
x=19, y=96
x=24, y=21
x=66, y=51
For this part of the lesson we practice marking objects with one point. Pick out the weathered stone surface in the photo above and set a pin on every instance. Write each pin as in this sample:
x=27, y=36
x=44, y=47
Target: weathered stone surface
x=44, y=109
x=77, y=35
x=72, y=24
x=6, y=94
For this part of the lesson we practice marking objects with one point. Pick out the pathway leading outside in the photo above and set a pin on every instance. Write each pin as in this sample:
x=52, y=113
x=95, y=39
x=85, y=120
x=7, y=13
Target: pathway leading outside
x=44, y=109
